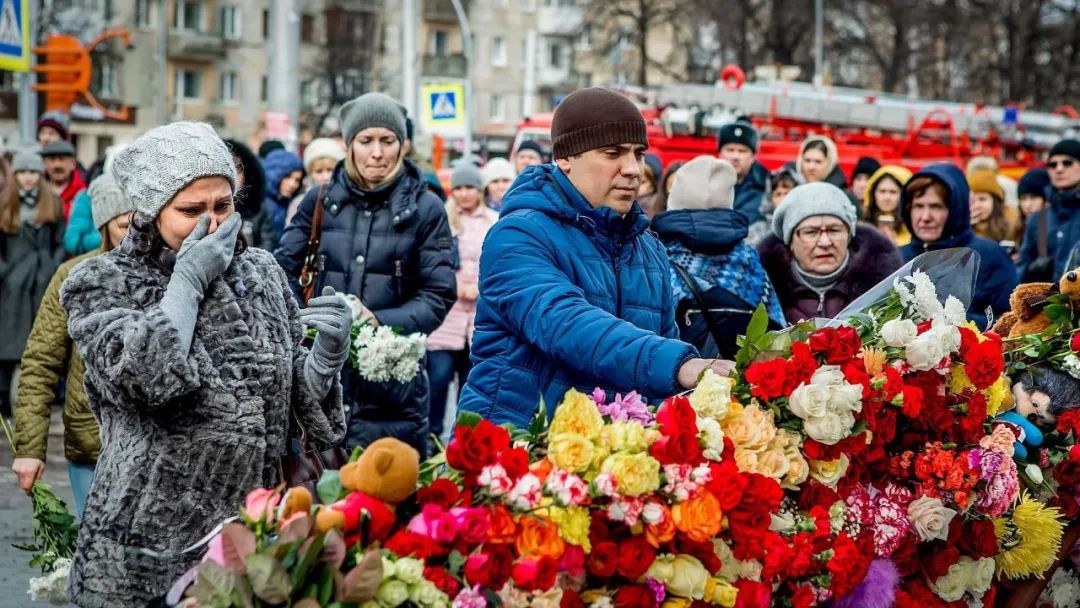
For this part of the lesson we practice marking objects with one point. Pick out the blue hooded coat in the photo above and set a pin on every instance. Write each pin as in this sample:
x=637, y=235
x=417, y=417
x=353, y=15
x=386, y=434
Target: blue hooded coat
x=1063, y=233
x=751, y=191
x=277, y=166
x=997, y=274
x=570, y=297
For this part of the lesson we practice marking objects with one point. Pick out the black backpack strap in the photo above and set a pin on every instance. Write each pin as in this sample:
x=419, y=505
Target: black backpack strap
x=700, y=297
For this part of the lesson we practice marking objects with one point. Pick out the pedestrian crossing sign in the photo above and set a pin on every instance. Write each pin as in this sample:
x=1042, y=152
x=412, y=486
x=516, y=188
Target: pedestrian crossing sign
x=14, y=35
x=444, y=108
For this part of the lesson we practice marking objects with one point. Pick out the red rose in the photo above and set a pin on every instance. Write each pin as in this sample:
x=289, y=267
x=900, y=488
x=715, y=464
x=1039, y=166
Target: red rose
x=1074, y=344
x=976, y=539
x=473, y=525
x=635, y=557
x=815, y=494
x=515, y=462
x=442, y=579
x=441, y=492
x=603, y=559
x=573, y=560
x=535, y=574
x=1069, y=421
x=824, y=340
x=474, y=448
x=766, y=379
x=837, y=345
x=410, y=544
x=1067, y=472
x=635, y=596
x=571, y=599
x=677, y=416
x=677, y=448
x=937, y=558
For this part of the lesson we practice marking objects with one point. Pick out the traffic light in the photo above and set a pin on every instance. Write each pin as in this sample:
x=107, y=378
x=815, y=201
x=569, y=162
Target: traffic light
x=65, y=66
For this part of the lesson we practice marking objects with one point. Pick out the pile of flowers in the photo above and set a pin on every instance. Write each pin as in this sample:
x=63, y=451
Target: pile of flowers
x=850, y=465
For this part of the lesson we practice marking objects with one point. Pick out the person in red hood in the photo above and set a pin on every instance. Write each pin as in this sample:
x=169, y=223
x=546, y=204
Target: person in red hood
x=66, y=182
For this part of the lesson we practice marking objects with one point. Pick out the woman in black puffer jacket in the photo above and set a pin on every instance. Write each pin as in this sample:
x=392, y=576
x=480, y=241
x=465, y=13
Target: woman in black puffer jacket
x=385, y=239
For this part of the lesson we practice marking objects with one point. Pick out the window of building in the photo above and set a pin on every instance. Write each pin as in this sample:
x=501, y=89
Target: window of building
x=189, y=15
x=555, y=55
x=189, y=85
x=307, y=28
x=231, y=23
x=264, y=89
x=142, y=13
x=309, y=94
x=266, y=24
x=229, y=92
x=498, y=108
x=498, y=51
x=439, y=43
x=584, y=40
x=105, y=79
x=107, y=10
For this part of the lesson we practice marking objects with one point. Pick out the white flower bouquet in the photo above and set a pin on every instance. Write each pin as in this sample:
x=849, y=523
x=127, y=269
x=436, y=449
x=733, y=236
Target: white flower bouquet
x=382, y=354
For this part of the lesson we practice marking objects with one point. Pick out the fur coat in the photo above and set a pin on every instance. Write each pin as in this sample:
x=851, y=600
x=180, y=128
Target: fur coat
x=184, y=437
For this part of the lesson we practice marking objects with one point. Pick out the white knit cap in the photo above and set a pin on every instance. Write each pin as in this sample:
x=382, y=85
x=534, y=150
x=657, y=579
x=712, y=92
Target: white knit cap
x=107, y=200
x=705, y=182
x=165, y=159
x=498, y=168
x=808, y=200
x=323, y=147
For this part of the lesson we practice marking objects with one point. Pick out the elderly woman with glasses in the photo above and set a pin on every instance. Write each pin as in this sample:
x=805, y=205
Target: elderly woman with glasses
x=818, y=257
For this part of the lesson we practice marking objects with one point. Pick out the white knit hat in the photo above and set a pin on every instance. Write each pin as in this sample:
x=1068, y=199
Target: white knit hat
x=323, y=147
x=705, y=182
x=497, y=168
x=107, y=200
x=808, y=200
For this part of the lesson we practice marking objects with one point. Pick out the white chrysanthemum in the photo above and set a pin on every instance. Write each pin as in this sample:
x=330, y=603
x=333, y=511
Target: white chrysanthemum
x=383, y=355
x=1063, y=590
x=920, y=299
x=53, y=586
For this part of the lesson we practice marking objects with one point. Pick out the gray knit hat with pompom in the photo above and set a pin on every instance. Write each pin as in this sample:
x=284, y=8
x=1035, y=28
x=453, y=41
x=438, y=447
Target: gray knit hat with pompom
x=166, y=159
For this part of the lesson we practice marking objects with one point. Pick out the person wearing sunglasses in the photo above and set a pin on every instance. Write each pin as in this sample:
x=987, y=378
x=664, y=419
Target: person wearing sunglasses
x=819, y=258
x=1051, y=234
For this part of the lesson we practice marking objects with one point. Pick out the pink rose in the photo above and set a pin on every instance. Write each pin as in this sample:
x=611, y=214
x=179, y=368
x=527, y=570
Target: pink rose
x=472, y=524
x=260, y=505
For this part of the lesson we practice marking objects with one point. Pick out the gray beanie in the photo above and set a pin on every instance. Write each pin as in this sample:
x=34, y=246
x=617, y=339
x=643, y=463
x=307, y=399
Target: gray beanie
x=166, y=159
x=703, y=183
x=371, y=110
x=466, y=174
x=27, y=160
x=807, y=200
x=107, y=200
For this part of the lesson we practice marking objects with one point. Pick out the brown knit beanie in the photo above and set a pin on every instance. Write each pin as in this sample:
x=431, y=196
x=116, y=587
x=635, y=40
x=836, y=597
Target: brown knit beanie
x=594, y=118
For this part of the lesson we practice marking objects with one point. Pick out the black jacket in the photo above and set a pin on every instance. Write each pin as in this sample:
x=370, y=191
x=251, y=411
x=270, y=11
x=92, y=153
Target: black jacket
x=28, y=260
x=390, y=247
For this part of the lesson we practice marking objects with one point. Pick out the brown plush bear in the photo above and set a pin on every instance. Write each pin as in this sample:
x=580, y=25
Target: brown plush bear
x=1027, y=302
x=382, y=478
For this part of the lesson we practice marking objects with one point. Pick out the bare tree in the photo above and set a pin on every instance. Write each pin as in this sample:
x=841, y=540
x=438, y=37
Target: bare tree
x=615, y=23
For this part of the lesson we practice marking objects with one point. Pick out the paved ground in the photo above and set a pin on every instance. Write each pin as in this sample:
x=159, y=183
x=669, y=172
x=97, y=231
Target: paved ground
x=15, y=510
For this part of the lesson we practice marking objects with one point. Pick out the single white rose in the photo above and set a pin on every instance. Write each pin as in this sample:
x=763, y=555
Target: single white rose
x=830, y=428
x=809, y=401
x=898, y=333
x=925, y=352
x=930, y=518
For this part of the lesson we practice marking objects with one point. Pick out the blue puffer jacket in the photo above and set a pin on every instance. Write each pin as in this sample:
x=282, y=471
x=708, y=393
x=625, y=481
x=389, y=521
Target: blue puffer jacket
x=391, y=248
x=1063, y=233
x=997, y=274
x=750, y=192
x=570, y=296
x=277, y=166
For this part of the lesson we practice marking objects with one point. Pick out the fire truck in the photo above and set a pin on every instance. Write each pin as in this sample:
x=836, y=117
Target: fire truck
x=683, y=121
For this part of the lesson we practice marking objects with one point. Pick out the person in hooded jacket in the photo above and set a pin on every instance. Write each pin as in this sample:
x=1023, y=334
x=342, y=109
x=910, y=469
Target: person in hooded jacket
x=1051, y=234
x=738, y=144
x=250, y=186
x=819, y=161
x=575, y=292
x=819, y=257
x=881, y=202
x=705, y=241
x=936, y=210
x=780, y=183
x=385, y=239
x=284, y=178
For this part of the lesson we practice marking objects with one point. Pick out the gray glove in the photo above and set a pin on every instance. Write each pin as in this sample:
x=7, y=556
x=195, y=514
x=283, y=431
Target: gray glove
x=200, y=260
x=331, y=316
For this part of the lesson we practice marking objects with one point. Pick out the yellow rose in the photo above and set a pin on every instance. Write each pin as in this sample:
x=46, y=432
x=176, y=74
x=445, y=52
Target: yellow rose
x=746, y=460
x=577, y=414
x=661, y=569
x=712, y=396
x=798, y=468
x=829, y=472
x=624, y=436
x=752, y=430
x=688, y=578
x=635, y=474
x=720, y=593
x=570, y=451
x=773, y=462
x=573, y=525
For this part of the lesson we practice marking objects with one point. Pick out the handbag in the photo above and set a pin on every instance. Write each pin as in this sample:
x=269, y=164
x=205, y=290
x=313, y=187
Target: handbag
x=309, y=272
x=303, y=464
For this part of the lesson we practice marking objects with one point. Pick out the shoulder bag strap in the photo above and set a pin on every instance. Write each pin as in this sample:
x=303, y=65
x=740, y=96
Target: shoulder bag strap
x=310, y=270
x=700, y=297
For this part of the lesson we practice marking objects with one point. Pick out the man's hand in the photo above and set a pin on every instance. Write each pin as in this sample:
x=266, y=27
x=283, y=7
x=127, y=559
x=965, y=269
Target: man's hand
x=28, y=470
x=690, y=373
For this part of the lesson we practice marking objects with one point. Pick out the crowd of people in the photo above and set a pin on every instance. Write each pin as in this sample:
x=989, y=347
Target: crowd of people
x=164, y=304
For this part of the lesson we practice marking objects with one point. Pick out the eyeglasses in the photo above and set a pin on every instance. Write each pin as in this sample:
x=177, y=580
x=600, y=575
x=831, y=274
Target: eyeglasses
x=1064, y=164
x=813, y=235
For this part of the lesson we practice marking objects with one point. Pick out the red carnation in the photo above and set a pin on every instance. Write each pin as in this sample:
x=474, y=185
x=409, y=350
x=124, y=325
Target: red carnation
x=848, y=565
x=442, y=492
x=766, y=379
x=515, y=462
x=913, y=401
x=984, y=364
x=800, y=367
x=635, y=596
x=442, y=579
x=726, y=483
x=752, y=595
x=1069, y=421
x=603, y=559
x=976, y=539
x=677, y=448
x=677, y=416
x=635, y=555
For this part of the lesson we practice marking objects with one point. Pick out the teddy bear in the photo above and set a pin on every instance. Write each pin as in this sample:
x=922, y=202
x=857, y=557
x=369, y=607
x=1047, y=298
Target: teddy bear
x=383, y=477
x=1027, y=301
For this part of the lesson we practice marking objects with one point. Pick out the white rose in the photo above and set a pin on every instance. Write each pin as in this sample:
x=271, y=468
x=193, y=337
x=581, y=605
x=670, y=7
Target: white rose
x=830, y=428
x=781, y=522
x=925, y=352
x=930, y=518
x=829, y=472
x=1034, y=473
x=846, y=398
x=954, y=584
x=981, y=575
x=899, y=332
x=828, y=375
x=809, y=401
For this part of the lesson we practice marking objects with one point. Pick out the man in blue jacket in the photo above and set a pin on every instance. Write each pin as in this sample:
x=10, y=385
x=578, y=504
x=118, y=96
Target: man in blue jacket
x=574, y=292
x=1051, y=234
x=738, y=143
x=936, y=212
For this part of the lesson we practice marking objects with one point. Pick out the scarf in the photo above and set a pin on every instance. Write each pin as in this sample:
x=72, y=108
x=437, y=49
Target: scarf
x=820, y=283
x=738, y=271
x=28, y=200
